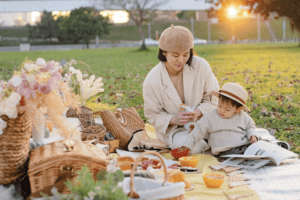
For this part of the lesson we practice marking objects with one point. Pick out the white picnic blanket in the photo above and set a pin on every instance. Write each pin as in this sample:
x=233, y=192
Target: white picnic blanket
x=276, y=182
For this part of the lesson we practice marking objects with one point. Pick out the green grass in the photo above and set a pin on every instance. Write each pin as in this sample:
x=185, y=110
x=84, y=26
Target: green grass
x=270, y=72
x=242, y=29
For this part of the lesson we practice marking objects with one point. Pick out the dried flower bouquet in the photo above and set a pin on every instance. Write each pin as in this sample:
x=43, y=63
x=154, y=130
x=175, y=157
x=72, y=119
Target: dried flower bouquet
x=38, y=88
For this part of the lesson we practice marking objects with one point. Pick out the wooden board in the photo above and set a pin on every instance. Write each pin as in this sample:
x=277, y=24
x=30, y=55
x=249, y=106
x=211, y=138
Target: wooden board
x=113, y=145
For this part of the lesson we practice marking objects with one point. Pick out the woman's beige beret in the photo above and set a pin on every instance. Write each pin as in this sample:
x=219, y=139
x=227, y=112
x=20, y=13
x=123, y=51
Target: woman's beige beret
x=176, y=39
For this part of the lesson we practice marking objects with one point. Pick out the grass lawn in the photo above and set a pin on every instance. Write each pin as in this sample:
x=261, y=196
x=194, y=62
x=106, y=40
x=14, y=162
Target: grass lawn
x=270, y=72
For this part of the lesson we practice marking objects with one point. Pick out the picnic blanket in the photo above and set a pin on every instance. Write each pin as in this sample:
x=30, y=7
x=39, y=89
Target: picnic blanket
x=267, y=183
x=277, y=182
x=200, y=191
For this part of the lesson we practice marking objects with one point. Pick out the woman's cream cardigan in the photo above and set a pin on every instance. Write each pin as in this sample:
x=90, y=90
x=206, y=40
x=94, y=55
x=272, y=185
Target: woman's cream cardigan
x=161, y=100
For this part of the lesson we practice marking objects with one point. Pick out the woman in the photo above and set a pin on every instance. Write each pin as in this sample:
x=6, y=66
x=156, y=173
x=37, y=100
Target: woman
x=180, y=77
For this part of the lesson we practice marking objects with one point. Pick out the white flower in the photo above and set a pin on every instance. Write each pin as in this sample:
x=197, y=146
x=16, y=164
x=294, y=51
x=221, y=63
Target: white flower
x=89, y=87
x=30, y=66
x=1, y=88
x=79, y=76
x=2, y=125
x=56, y=68
x=11, y=112
x=13, y=99
x=40, y=61
x=91, y=80
x=73, y=70
x=15, y=81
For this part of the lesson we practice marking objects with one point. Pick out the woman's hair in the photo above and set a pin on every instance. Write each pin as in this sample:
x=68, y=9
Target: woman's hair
x=163, y=58
x=225, y=99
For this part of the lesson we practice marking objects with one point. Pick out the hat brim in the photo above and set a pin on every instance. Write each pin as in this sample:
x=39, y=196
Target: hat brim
x=217, y=94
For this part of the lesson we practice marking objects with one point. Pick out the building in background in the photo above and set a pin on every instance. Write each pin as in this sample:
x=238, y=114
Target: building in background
x=22, y=12
x=20, y=18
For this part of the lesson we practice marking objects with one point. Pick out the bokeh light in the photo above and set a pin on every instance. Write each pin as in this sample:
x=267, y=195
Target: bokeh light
x=117, y=16
x=232, y=12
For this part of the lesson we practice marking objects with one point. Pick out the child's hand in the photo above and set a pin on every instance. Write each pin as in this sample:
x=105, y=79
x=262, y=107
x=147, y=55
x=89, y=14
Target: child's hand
x=253, y=139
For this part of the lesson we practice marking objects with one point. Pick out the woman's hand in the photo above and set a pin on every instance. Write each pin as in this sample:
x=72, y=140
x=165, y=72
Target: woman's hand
x=182, y=118
x=253, y=139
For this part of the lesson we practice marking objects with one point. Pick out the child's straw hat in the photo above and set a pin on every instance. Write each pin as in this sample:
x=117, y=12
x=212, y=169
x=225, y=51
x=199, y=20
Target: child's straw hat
x=234, y=91
x=176, y=39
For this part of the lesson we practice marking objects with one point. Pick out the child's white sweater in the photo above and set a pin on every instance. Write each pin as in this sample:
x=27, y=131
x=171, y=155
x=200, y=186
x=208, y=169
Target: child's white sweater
x=232, y=132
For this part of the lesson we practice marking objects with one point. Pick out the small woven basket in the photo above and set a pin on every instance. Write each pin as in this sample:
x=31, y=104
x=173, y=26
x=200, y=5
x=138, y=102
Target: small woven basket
x=14, y=147
x=92, y=131
x=133, y=194
x=122, y=124
x=47, y=161
x=83, y=113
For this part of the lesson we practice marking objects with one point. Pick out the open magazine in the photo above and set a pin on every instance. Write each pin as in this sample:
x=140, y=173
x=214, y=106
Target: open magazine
x=259, y=154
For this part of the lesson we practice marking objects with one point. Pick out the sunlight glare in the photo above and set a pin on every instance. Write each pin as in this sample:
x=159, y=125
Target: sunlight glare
x=117, y=16
x=232, y=12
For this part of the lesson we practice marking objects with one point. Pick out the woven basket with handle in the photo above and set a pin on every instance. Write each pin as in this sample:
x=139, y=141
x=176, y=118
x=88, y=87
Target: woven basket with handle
x=133, y=194
x=14, y=147
x=122, y=124
x=47, y=161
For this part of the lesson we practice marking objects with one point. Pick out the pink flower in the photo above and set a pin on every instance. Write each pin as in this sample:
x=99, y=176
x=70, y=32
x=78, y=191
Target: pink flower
x=49, y=66
x=24, y=88
x=56, y=76
x=26, y=91
x=53, y=83
x=44, y=88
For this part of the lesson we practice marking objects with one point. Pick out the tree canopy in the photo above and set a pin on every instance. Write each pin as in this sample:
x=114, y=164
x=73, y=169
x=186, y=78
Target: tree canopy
x=288, y=8
x=82, y=24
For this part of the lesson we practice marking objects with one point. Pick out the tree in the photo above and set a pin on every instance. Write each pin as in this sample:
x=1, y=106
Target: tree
x=83, y=24
x=47, y=29
x=139, y=11
x=288, y=8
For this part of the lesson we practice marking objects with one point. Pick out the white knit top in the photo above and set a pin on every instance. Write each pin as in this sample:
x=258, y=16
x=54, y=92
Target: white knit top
x=232, y=132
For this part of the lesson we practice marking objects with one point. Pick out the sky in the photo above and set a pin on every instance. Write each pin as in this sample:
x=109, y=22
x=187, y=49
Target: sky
x=67, y=5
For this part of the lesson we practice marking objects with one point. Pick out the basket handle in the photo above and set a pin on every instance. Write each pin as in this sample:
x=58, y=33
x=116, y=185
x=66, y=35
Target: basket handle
x=133, y=194
x=119, y=115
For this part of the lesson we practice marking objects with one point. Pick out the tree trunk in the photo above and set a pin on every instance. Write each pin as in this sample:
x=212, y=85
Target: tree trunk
x=270, y=29
x=143, y=47
x=86, y=41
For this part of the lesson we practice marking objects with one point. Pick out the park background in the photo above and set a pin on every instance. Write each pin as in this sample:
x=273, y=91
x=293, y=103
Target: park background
x=268, y=69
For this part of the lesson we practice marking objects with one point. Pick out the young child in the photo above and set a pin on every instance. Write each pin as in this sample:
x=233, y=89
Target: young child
x=227, y=126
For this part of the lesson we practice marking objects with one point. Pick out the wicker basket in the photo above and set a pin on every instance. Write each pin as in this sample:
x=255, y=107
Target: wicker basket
x=47, y=161
x=93, y=132
x=14, y=147
x=122, y=124
x=83, y=113
x=133, y=194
